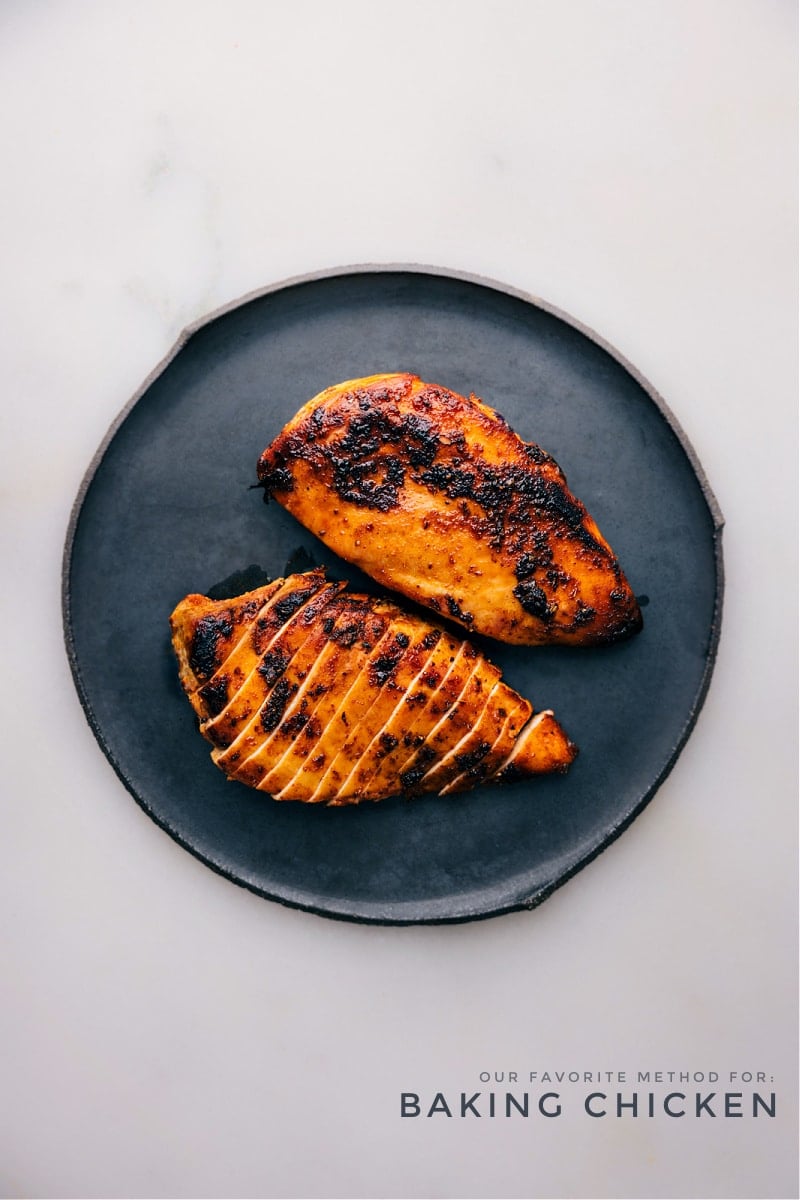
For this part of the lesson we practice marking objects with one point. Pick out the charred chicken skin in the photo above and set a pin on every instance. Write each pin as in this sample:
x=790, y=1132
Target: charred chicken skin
x=433, y=495
x=311, y=693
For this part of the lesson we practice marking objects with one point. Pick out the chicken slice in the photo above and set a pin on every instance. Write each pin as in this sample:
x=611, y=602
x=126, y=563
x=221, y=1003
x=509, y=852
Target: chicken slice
x=388, y=680
x=350, y=698
x=443, y=680
x=538, y=750
x=275, y=645
x=456, y=721
x=420, y=755
x=336, y=718
x=234, y=676
x=477, y=742
x=480, y=764
x=348, y=714
x=399, y=733
x=292, y=658
x=205, y=632
x=274, y=763
x=436, y=497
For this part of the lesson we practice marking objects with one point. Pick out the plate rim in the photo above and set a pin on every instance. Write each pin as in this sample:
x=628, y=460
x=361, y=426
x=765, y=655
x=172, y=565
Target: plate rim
x=610, y=835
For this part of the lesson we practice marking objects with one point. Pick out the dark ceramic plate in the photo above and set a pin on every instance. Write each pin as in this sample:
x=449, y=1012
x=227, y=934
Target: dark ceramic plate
x=167, y=508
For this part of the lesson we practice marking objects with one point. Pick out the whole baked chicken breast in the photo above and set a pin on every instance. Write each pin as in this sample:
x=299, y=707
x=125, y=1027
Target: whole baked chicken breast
x=433, y=495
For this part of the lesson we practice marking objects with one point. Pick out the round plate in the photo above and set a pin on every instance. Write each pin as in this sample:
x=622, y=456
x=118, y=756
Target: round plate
x=167, y=508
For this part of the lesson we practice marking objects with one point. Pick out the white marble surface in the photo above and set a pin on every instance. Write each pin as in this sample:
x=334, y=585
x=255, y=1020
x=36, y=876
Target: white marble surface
x=168, y=1034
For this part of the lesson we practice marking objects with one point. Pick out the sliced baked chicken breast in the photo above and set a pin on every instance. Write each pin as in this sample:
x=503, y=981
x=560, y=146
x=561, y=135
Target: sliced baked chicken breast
x=308, y=692
x=433, y=495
